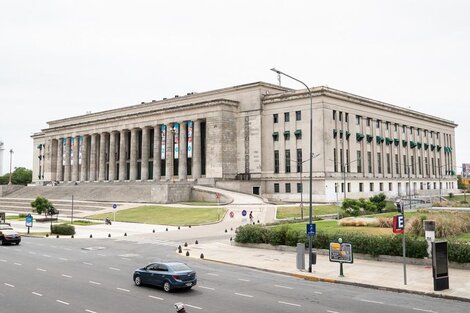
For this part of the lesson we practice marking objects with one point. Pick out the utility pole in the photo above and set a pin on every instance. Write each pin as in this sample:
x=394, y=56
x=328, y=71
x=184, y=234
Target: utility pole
x=11, y=157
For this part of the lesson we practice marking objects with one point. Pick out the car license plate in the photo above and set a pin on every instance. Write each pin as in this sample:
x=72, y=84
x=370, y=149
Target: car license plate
x=189, y=284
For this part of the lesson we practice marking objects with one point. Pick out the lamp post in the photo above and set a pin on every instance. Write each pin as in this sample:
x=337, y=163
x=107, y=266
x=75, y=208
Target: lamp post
x=299, y=167
x=310, y=257
x=11, y=157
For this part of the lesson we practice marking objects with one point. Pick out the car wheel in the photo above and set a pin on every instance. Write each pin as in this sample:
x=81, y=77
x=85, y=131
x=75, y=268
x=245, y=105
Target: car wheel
x=167, y=286
x=137, y=281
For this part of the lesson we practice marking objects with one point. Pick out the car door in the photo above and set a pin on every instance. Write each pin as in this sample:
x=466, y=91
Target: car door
x=162, y=273
x=150, y=274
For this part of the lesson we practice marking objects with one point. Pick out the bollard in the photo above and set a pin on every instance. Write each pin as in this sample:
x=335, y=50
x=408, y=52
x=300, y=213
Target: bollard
x=125, y=234
x=185, y=244
x=91, y=236
x=187, y=253
x=179, y=249
x=109, y=235
x=154, y=231
x=196, y=242
x=253, y=223
x=178, y=227
x=47, y=235
x=202, y=255
x=225, y=230
x=258, y=221
x=72, y=236
x=167, y=229
x=231, y=228
x=230, y=238
x=189, y=226
x=57, y=236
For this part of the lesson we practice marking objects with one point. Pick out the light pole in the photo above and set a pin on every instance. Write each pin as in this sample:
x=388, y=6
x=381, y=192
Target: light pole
x=310, y=241
x=299, y=167
x=11, y=157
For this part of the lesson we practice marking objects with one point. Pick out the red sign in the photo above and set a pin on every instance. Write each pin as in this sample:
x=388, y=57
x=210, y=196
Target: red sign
x=398, y=224
x=231, y=214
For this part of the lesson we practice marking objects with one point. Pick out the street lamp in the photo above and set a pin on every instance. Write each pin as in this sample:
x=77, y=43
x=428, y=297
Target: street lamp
x=310, y=256
x=11, y=156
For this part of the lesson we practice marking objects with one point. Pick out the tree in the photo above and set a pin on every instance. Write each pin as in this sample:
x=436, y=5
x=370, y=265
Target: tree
x=21, y=176
x=379, y=202
x=42, y=205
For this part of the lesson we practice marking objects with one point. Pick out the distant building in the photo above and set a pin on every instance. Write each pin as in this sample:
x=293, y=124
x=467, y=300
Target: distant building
x=254, y=138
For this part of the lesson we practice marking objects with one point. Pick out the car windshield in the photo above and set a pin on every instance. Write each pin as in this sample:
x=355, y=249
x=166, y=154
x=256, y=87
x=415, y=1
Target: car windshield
x=177, y=267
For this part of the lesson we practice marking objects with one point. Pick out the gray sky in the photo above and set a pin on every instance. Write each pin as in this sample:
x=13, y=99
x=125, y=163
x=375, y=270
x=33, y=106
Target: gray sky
x=61, y=58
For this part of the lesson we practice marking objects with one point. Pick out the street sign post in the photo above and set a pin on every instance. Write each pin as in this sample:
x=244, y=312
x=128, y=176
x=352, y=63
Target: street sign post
x=311, y=229
x=29, y=221
x=244, y=213
x=114, y=211
x=341, y=252
x=398, y=224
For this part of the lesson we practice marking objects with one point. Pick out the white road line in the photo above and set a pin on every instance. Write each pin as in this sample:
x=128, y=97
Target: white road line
x=158, y=298
x=2, y=260
x=242, y=279
x=423, y=310
x=332, y=311
x=63, y=302
x=63, y=259
x=243, y=295
x=371, y=301
x=19, y=264
x=89, y=311
x=122, y=289
x=318, y=292
x=208, y=288
x=114, y=269
x=87, y=263
x=192, y=306
x=288, y=303
x=94, y=282
x=68, y=276
x=101, y=254
x=36, y=294
x=41, y=269
x=280, y=286
x=9, y=285
x=46, y=255
x=212, y=274
x=32, y=252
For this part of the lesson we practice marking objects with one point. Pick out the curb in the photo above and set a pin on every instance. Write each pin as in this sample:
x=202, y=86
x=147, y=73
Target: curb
x=336, y=281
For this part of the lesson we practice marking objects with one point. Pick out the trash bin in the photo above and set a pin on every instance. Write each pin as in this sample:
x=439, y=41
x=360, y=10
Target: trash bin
x=300, y=256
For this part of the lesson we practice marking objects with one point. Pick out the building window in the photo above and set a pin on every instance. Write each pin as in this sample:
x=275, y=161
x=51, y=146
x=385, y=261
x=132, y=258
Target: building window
x=298, y=115
x=276, y=188
x=369, y=161
x=349, y=187
x=287, y=161
x=378, y=124
x=418, y=131
x=390, y=186
x=346, y=117
x=358, y=119
x=335, y=161
x=412, y=165
x=276, y=118
x=368, y=121
x=371, y=186
x=426, y=165
x=341, y=162
x=404, y=128
x=287, y=187
x=397, y=164
x=334, y=115
x=340, y=116
x=286, y=117
x=379, y=163
x=405, y=169
x=425, y=133
x=381, y=186
x=387, y=125
x=359, y=161
x=420, y=166
x=347, y=161
x=411, y=130
x=361, y=187
x=275, y=136
x=276, y=161
x=395, y=127
x=389, y=164
x=287, y=135
x=433, y=167
x=299, y=188
x=299, y=160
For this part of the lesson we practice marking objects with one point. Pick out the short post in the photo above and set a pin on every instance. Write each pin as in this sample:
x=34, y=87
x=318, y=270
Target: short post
x=341, y=273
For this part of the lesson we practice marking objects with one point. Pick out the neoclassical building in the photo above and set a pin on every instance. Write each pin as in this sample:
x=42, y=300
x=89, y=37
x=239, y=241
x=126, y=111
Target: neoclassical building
x=254, y=138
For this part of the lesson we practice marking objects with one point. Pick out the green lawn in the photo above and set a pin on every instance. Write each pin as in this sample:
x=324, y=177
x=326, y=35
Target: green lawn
x=201, y=203
x=166, y=215
x=333, y=227
x=81, y=223
x=295, y=211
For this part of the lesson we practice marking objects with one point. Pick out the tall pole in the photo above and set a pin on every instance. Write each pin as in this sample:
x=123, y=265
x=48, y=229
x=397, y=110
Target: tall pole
x=11, y=157
x=344, y=180
x=310, y=241
x=71, y=218
x=299, y=164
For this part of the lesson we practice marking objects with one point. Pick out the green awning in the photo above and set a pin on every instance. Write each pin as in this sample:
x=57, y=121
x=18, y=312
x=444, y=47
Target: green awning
x=39, y=146
x=438, y=147
x=404, y=143
x=396, y=141
x=359, y=136
x=426, y=146
x=275, y=134
x=340, y=134
x=379, y=139
x=286, y=132
x=369, y=138
x=39, y=157
x=335, y=132
x=419, y=145
x=412, y=144
x=388, y=141
x=298, y=132
x=433, y=146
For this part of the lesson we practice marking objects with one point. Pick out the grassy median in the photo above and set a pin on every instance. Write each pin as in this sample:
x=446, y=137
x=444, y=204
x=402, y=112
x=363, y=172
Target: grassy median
x=295, y=211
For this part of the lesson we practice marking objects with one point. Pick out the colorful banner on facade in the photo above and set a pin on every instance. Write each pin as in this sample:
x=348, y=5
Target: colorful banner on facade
x=163, y=143
x=64, y=140
x=72, y=142
x=190, y=139
x=176, y=137
x=80, y=145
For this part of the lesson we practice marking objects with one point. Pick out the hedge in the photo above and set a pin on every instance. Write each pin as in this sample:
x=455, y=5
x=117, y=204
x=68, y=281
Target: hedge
x=362, y=243
x=63, y=229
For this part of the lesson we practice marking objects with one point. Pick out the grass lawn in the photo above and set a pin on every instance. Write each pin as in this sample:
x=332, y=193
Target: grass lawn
x=333, y=227
x=201, y=203
x=81, y=223
x=151, y=214
x=295, y=211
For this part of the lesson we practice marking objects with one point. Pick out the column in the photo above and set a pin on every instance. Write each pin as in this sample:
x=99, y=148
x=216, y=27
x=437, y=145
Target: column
x=183, y=152
x=169, y=151
x=53, y=159
x=84, y=165
x=76, y=145
x=112, y=156
x=67, y=159
x=122, y=156
x=133, y=169
x=60, y=159
x=144, y=169
x=157, y=143
x=102, y=158
x=197, y=149
x=93, y=157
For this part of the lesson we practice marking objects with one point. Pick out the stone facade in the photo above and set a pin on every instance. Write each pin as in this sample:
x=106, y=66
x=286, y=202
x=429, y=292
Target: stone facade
x=255, y=138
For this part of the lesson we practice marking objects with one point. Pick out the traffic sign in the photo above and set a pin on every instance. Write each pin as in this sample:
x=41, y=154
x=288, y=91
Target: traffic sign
x=244, y=212
x=398, y=224
x=29, y=221
x=114, y=206
x=231, y=214
x=311, y=229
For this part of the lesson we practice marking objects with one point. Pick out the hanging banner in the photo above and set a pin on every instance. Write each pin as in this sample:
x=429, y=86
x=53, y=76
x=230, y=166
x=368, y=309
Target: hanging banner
x=190, y=139
x=176, y=129
x=163, y=143
x=64, y=140
x=80, y=144
x=72, y=142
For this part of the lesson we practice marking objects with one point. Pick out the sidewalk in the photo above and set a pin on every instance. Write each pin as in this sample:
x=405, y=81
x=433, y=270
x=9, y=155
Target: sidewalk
x=371, y=274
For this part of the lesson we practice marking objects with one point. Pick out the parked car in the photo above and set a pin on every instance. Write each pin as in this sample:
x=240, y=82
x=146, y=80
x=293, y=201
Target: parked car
x=172, y=275
x=9, y=235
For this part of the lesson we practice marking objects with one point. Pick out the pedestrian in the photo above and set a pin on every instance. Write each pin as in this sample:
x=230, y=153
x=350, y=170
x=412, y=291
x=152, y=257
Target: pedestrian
x=251, y=216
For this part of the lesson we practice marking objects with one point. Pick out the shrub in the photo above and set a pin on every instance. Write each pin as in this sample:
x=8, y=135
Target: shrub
x=63, y=229
x=379, y=202
x=385, y=222
x=277, y=235
x=251, y=234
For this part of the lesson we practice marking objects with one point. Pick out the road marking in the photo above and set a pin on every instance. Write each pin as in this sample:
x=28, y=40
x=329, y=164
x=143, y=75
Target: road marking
x=192, y=306
x=209, y=288
x=68, y=276
x=87, y=263
x=318, y=292
x=243, y=295
x=36, y=294
x=371, y=301
x=114, y=269
x=423, y=310
x=153, y=297
x=32, y=252
x=40, y=269
x=122, y=289
x=9, y=285
x=2, y=260
x=63, y=302
x=19, y=264
x=288, y=303
x=212, y=274
x=46, y=255
x=101, y=254
x=242, y=279
x=89, y=311
x=63, y=259
x=279, y=286
x=94, y=282
x=332, y=311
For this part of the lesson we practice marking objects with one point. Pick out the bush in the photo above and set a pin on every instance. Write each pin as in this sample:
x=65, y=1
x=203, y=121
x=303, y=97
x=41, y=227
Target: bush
x=63, y=229
x=277, y=235
x=251, y=234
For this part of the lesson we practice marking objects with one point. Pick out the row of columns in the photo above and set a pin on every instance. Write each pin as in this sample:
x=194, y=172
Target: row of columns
x=93, y=165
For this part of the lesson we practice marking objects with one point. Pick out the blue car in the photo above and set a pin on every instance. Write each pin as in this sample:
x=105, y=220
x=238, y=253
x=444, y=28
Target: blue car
x=172, y=275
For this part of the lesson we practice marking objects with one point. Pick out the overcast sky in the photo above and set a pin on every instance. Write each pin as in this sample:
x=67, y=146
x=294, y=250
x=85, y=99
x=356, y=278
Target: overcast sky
x=62, y=58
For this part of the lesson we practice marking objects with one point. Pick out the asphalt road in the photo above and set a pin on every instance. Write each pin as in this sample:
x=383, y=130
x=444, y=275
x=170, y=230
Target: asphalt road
x=95, y=275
